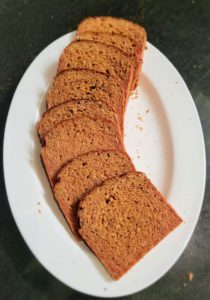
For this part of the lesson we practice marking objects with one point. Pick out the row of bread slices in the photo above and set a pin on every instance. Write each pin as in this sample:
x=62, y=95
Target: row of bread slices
x=117, y=211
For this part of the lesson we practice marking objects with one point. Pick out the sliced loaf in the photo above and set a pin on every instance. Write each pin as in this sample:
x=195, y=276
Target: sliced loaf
x=72, y=109
x=82, y=174
x=73, y=137
x=123, y=219
x=100, y=57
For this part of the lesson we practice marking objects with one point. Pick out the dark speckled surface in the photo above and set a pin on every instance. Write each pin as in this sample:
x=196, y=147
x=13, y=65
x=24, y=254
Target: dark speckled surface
x=181, y=30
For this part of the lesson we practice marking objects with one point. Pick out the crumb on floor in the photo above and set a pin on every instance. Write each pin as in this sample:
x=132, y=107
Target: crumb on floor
x=190, y=276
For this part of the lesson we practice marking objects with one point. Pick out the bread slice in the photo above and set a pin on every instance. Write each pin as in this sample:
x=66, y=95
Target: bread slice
x=73, y=137
x=72, y=109
x=82, y=174
x=100, y=57
x=123, y=219
x=114, y=25
x=122, y=42
x=80, y=84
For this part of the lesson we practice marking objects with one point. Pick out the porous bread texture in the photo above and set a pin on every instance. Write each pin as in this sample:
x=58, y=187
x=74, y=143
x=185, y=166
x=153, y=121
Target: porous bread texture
x=105, y=24
x=90, y=85
x=72, y=109
x=100, y=57
x=114, y=25
x=122, y=42
x=85, y=84
x=73, y=137
x=123, y=219
x=84, y=173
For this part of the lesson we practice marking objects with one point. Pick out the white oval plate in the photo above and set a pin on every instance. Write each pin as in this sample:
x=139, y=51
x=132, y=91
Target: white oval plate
x=163, y=135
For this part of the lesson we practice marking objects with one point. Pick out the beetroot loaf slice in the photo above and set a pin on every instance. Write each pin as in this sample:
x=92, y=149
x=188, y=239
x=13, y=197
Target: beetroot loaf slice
x=123, y=219
x=77, y=84
x=73, y=137
x=122, y=42
x=72, y=109
x=82, y=174
x=100, y=57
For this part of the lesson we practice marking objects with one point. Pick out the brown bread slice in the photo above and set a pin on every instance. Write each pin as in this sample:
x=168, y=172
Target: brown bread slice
x=114, y=25
x=82, y=174
x=72, y=109
x=74, y=137
x=122, y=42
x=90, y=85
x=123, y=219
x=100, y=57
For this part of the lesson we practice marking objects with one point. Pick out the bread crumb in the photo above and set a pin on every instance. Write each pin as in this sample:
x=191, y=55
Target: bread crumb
x=140, y=118
x=190, y=276
x=139, y=127
x=134, y=95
